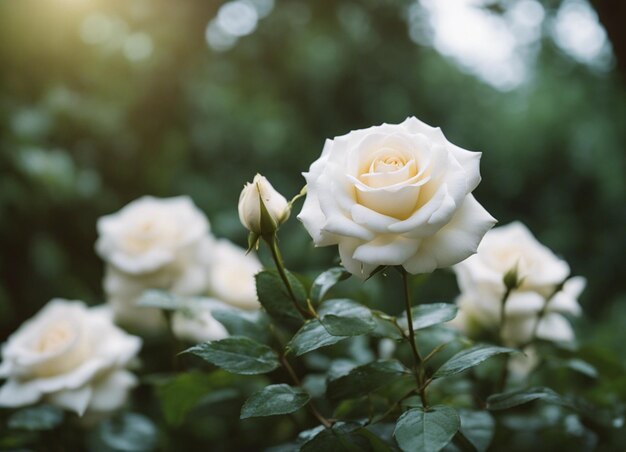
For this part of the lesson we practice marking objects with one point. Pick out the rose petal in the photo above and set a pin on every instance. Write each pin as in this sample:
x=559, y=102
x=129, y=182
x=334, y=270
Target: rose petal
x=75, y=400
x=566, y=301
x=470, y=161
x=313, y=218
x=386, y=250
x=14, y=393
x=390, y=178
x=374, y=221
x=111, y=391
x=555, y=327
x=458, y=239
x=420, y=263
x=397, y=203
x=524, y=303
x=346, y=250
x=416, y=225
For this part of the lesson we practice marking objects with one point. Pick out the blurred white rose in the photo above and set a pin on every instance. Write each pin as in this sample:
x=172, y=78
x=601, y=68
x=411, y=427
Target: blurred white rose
x=150, y=233
x=522, y=364
x=231, y=275
x=540, y=272
x=386, y=348
x=71, y=356
x=255, y=192
x=153, y=243
x=195, y=323
x=395, y=195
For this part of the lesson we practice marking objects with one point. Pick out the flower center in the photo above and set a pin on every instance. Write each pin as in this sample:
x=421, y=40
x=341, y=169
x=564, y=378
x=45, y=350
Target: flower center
x=387, y=164
x=54, y=338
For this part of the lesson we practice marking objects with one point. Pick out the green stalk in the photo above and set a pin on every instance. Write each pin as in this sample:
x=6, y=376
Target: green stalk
x=272, y=243
x=504, y=373
x=417, y=357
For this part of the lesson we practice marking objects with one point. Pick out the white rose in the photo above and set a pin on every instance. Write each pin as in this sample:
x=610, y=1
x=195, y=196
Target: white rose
x=540, y=272
x=187, y=276
x=195, y=323
x=255, y=192
x=522, y=364
x=395, y=195
x=153, y=244
x=150, y=233
x=71, y=356
x=231, y=275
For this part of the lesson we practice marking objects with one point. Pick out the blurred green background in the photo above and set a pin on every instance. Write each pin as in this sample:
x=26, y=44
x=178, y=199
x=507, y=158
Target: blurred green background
x=104, y=101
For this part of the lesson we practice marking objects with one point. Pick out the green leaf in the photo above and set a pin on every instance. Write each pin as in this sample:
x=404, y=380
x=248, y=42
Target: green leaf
x=274, y=297
x=252, y=324
x=385, y=327
x=365, y=379
x=44, y=417
x=179, y=395
x=314, y=384
x=478, y=428
x=238, y=354
x=344, y=317
x=582, y=367
x=431, y=430
x=375, y=443
x=469, y=358
x=426, y=315
x=312, y=336
x=338, y=438
x=129, y=432
x=515, y=398
x=377, y=270
x=253, y=241
x=325, y=281
x=160, y=299
x=273, y=400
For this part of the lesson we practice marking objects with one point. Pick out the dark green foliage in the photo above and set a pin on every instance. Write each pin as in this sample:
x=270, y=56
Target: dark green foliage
x=84, y=130
x=273, y=400
x=238, y=354
x=427, y=430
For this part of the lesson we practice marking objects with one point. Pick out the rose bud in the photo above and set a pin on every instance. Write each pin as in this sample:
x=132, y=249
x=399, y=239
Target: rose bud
x=261, y=208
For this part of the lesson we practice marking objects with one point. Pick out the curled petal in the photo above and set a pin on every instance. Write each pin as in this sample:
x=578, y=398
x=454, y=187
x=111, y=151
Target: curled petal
x=357, y=268
x=459, y=239
x=386, y=250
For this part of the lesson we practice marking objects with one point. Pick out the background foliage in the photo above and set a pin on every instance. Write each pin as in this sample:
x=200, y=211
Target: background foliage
x=102, y=102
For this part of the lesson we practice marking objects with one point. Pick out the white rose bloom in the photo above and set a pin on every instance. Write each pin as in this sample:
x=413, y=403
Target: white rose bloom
x=231, y=275
x=395, y=195
x=249, y=206
x=522, y=364
x=150, y=233
x=195, y=323
x=153, y=243
x=71, y=356
x=480, y=279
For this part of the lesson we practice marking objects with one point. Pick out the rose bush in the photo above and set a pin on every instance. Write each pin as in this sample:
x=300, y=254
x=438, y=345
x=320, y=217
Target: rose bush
x=395, y=194
x=261, y=342
x=70, y=356
x=538, y=304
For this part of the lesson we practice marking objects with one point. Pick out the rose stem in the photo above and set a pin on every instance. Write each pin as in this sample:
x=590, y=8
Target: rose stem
x=504, y=373
x=174, y=342
x=419, y=364
x=273, y=246
x=325, y=422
